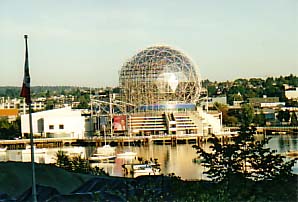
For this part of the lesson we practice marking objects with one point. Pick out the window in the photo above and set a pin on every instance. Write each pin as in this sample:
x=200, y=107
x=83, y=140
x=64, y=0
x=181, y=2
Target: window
x=61, y=126
x=51, y=127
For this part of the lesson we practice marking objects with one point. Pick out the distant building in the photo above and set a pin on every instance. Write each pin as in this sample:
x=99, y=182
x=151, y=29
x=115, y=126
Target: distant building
x=63, y=122
x=237, y=104
x=219, y=99
x=7, y=103
x=163, y=85
x=212, y=100
x=256, y=102
x=272, y=104
x=292, y=94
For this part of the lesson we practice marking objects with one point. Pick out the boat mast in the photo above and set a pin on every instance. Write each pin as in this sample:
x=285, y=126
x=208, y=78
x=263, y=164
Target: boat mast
x=111, y=114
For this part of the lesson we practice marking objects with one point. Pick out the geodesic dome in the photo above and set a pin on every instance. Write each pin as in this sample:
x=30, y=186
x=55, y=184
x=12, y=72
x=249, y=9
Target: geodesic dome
x=159, y=75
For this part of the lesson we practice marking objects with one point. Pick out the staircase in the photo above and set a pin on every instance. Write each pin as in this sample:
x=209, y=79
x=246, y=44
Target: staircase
x=144, y=124
x=185, y=124
x=175, y=123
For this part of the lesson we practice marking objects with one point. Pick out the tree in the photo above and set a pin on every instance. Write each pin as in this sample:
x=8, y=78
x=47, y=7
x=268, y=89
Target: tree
x=294, y=121
x=259, y=119
x=76, y=164
x=244, y=156
x=62, y=160
x=283, y=116
x=246, y=115
x=10, y=130
x=226, y=118
x=50, y=104
x=280, y=116
x=287, y=116
x=84, y=102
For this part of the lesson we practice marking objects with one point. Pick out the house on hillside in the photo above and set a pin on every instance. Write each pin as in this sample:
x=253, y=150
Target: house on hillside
x=63, y=122
x=292, y=94
x=261, y=102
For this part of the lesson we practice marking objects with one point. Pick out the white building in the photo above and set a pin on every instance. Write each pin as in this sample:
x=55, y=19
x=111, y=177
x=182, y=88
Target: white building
x=292, y=94
x=63, y=122
x=19, y=103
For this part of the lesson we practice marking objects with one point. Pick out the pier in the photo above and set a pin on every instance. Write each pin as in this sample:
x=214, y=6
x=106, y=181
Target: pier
x=278, y=130
x=113, y=141
x=136, y=140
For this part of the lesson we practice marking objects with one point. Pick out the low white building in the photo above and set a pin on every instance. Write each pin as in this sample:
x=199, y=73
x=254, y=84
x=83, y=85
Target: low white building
x=292, y=94
x=63, y=122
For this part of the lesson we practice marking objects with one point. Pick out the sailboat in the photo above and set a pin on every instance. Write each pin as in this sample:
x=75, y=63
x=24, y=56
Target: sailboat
x=127, y=154
x=3, y=149
x=105, y=153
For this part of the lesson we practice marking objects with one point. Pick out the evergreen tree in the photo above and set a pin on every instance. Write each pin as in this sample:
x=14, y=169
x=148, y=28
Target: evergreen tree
x=259, y=119
x=244, y=156
x=287, y=116
x=294, y=121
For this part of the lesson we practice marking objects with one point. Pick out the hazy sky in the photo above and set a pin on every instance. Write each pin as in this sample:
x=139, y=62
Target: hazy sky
x=85, y=43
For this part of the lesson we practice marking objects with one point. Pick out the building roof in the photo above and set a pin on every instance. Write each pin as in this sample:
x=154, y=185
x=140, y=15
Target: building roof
x=9, y=112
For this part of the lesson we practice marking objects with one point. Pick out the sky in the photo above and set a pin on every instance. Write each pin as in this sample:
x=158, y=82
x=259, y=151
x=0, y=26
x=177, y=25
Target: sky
x=85, y=43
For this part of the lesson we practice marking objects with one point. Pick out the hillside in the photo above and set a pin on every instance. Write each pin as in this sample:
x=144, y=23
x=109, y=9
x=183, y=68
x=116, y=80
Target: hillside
x=16, y=177
x=55, y=185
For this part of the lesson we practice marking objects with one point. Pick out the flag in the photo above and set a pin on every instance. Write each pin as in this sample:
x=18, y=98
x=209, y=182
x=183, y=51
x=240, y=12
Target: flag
x=25, y=92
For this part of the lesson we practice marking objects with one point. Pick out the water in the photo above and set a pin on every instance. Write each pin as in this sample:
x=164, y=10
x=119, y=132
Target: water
x=173, y=159
x=283, y=144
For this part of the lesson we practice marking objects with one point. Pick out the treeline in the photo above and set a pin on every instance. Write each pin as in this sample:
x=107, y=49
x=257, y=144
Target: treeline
x=242, y=89
x=238, y=90
x=41, y=91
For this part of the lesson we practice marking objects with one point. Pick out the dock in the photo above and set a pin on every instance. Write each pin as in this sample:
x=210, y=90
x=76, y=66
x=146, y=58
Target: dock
x=164, y=139
x=100, y=141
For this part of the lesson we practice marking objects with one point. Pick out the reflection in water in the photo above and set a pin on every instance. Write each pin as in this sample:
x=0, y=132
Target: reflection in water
x=45, y=155
x=283, y=143
x=172, y=159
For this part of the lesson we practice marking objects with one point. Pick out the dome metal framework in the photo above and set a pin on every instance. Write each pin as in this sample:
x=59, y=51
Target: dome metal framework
x=159, y=75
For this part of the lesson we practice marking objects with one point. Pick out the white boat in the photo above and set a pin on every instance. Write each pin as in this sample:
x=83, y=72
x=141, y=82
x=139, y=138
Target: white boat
x=102, y=158
x=36, y=150
x=103, y=154
x=3, y=149
x=127, y=154
x=141, y=169
x=105, y=150
x=145, y=169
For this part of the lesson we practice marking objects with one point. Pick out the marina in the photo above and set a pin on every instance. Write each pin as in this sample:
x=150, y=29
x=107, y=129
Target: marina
x=99, y=141
x=178, y=158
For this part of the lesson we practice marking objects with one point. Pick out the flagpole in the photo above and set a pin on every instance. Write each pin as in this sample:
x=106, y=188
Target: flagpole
x=28, y=101
x=32, y=156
